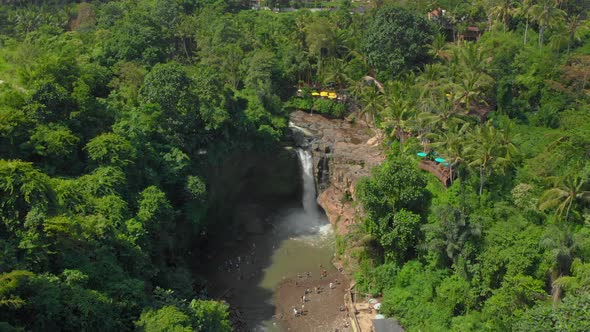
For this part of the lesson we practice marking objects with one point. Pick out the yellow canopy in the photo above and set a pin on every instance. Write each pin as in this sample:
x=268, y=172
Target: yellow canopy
x=332, y=96
x=324, y=94
x=315, y=94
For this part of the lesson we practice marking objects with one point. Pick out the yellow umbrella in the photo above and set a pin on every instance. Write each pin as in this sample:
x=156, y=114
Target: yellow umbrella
x=324, y=94
x=315, y=94
x=332, y=96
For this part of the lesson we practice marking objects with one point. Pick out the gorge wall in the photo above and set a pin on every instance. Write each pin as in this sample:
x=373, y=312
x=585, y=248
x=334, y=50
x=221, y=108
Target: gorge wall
x=343, y=150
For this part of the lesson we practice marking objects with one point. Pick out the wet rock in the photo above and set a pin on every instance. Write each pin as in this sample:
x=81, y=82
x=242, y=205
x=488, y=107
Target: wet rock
x=343, y=151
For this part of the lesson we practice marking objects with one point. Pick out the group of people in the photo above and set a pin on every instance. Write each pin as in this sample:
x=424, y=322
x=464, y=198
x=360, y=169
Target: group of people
x=234, y=265
x=317, y=290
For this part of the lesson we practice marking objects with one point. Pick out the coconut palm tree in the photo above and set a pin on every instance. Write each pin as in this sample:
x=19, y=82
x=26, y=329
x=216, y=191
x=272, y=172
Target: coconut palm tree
x=503, y=11
x=486, y=151
x=547, y=15
x=568, y=191
x=442, y=114
x=373, y=102
x=450, y=234
x=396, y=115
x=575, y=25
x=321, y=40
x=471, y=57
x=451, y=145
x=524, y=10
x=429, y=81
x=335, y=72
x=562, y=245
x=438, y=47
x=470, y=90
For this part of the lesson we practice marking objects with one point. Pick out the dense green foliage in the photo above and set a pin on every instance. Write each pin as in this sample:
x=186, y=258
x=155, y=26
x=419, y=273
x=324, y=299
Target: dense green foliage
x=114, y=118
x=119, y=119
x=506, y=246
x=397, y=40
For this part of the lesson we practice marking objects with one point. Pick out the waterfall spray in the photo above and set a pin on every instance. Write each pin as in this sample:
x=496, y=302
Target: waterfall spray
x=309, y=193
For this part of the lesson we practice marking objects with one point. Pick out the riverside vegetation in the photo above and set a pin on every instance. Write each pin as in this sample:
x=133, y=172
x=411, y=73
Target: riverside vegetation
x=112, y=115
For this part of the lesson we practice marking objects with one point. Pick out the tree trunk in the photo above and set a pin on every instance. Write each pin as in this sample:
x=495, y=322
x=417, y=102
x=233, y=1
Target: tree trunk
x=526, y=30
x=481, y=179
x=555, y=291
x=185, y=48
x=462, y=189
x=451, y=173
x=569, y=206
x=541, y=32
x=319, y=65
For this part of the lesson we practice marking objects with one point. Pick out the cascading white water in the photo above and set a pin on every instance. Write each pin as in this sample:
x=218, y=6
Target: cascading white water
x=302, y=239
x=309, y=194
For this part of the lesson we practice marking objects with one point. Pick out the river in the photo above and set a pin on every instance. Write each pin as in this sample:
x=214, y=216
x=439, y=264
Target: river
x=290, y=242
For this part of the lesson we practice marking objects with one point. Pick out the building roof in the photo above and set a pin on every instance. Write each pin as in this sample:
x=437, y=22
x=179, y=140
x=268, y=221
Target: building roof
x=387, y=325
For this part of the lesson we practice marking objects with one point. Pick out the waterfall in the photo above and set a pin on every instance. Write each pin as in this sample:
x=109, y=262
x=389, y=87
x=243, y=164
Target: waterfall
x=309, y=194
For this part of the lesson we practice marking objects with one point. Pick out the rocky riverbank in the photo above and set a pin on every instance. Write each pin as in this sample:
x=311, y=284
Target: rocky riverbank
x=344, y=150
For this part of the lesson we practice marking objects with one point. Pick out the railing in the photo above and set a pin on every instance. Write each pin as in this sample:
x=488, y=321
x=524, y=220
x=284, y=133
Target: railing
x=442, y=173
x=349, y=302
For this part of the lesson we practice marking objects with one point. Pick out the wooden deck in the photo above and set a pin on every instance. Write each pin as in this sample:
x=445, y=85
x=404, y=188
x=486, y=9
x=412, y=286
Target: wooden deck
x=442, y=173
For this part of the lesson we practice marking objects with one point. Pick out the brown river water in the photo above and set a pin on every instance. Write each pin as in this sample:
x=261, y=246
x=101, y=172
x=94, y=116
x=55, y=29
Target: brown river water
x=285, y=245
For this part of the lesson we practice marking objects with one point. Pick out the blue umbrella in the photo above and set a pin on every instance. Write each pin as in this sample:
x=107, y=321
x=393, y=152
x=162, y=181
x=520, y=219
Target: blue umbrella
x=439, y=160
x=422, y=154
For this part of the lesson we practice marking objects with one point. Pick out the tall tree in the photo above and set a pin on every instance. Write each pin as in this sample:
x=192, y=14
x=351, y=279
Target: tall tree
x=525, y=10
x=396, y=116
x=487, y=151
x=373, y=101
x=564, y=196
x=547, y=15
x=450, y=233
x=562, y=246
x=503, y=11
x=321, y=40
x=397, y=40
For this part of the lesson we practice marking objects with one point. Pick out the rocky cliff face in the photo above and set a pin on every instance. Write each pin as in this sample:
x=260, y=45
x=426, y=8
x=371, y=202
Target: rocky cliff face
x=343, y=151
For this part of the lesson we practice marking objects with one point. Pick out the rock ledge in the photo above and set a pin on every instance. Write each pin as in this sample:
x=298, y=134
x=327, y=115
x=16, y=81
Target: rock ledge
x=343, y=151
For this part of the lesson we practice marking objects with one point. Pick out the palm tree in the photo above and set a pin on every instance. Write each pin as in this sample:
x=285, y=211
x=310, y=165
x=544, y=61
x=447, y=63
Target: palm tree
x=321, y=40
x=568, y=191
x=336, y=72
x=471, y=57
x=421, y=128
x=373, y=102
x=470, y=90
x=396, y=114
x=451, y=233
x=524, y=10
x=442, y=114
x=451, y=145
x=429, y=81
x=574, y=25
x=562, y=246
x=486, y=151
x=547, y=15
x=503, y=10
x=438, y=46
